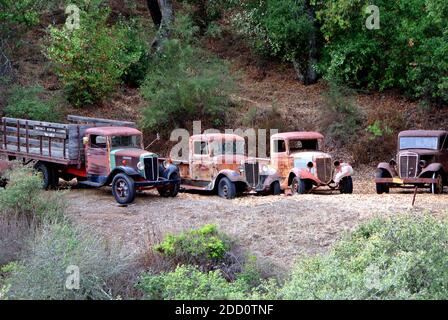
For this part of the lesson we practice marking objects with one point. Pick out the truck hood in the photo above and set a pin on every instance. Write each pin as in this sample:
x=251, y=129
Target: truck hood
x=131, y=152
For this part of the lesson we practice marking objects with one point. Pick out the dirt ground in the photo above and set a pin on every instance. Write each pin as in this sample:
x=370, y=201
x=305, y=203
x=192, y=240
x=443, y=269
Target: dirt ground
x=277, y=229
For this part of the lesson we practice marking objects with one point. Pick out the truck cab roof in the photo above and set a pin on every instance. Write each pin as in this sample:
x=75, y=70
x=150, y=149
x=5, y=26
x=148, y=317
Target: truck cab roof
x=298, y=135
x=422, y=133
x=113, y=131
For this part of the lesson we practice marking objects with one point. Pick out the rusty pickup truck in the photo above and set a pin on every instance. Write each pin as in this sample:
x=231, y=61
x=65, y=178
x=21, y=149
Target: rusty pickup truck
x=97, y=152
x=218, y=162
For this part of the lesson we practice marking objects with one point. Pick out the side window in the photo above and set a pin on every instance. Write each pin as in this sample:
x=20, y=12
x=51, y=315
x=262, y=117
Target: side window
x=98, y=142
x=279, y=146
x=200, y=148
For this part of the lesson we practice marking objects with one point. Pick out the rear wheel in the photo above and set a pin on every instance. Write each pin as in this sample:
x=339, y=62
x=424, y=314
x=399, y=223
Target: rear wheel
x=171, y=190
x=226, y=188
x=275, y=188
x=123, y=188
x=346, y=185
x=437, y=188
x=49, y=175
x=381, y=187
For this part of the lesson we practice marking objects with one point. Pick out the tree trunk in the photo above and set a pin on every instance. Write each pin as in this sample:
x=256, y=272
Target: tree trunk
x=162, y=15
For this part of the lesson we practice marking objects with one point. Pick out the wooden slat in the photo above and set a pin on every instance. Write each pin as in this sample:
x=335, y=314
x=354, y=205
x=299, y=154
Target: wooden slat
x=33, y=142
x=36, y=123
x=100, y=121
x=32, y=132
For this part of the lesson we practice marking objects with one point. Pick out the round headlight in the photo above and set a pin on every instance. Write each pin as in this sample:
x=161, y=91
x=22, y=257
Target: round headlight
x=423, y=163
x=264, y=168
x=140, y=166
x=392, y=162
x=310, y=164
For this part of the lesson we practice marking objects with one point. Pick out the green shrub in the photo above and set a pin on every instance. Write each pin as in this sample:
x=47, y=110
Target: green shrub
x=41, y=272
x=185, y=83
x=393, y=258
x=91, y=60
x=341, y=117
x=200, y=246
x=27, y=103
x=189, y=283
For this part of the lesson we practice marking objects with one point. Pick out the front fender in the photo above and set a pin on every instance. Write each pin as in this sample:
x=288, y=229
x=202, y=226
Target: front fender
x=430, y=169
x=230, y=174
x=168, y=171
x=388, y=168
x=122, y=169
x=271, y=178
x=305, y=175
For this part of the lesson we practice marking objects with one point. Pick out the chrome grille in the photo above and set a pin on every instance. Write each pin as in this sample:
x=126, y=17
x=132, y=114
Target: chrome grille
x=323, y=168
x=151, y=168
x=408, y=165
x=252, y=173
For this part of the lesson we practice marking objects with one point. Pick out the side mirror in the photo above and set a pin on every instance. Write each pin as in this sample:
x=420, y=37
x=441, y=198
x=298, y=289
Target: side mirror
x=85, y=141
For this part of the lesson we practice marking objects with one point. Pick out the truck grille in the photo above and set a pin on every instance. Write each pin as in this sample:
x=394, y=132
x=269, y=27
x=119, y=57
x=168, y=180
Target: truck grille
x=252, y=173
x=408, y=165
x=323, y=167
x=151, y=168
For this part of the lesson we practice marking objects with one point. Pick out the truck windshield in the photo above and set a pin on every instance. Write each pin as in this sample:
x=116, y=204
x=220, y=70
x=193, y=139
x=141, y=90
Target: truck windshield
x=126, y=142
x=300, y=145
x=228, y=147
x=419, y=143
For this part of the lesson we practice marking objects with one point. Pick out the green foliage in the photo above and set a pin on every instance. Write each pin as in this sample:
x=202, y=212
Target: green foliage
x=27, y=103
x=92, y=60
x=393, y=258
x=196, y=246
x=408, y=51
x=12, y=13
x=41, y=273
x=378, y=129
x=341, y=117
x=185, y=83
x=189, y=283
x=24, y=196
x=206, y=12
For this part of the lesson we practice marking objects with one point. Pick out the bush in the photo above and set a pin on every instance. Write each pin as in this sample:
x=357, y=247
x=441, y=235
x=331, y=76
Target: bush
x=341, y=117
x=393, y=258
x=23, y=207
x=185, y=83
x=41, y=273
x=91, y=60
x=189, y=283
x=28, y=103
x=202, y=247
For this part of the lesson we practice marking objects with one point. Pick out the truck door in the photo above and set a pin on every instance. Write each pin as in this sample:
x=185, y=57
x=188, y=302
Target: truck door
x=97, y=157
x=280, y=159
x=444, y=154
x=201, y=167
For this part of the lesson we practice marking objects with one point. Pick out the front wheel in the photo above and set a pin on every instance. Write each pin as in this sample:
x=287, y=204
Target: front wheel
x=301, y=186
x=275, y=188
x=123, y=188
x=381, y=187
x=346, y=185
x=437, y=188
x=171, y=190
x=226, y=188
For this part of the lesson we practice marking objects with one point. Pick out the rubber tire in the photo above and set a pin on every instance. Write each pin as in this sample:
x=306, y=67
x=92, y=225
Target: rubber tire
x=129, y=198
x=226, y=189
x=172, y=190
x=381, y=187
x=434, y=189
x=300, y=186
x=275, y=188
x=346, y=185
x=48, y=175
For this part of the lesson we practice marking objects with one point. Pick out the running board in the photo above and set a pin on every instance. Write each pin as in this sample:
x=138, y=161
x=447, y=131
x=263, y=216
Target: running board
x=91, y=184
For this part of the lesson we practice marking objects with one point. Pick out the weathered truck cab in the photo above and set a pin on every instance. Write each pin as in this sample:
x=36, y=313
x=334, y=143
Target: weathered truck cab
x=217, y=162
x=303, y=167
x=421, y=160
x=115, y=155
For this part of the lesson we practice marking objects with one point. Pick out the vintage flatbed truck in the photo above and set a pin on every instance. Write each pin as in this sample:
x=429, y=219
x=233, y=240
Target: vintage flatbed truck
x=421, y=161
x=97, y=152
x=217, y=162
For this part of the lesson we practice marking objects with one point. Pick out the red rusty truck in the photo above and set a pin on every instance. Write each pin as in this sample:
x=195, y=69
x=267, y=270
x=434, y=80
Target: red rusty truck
x=97, y=152
x=421, y=161
x=303, y=166
x=218, y=162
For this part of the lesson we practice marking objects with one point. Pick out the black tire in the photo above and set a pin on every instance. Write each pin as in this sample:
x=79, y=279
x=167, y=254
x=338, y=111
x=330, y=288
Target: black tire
x=123, y=188
x=48, y=175
x=301, y=186
x=382, y=187
x=275, y=188
x=346, y=185
x=171, y=190
x=437, y=188
x=226, y=189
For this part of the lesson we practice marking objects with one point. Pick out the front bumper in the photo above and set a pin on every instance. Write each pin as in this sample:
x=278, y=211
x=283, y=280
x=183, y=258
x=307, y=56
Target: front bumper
x=404, y=181
x=159, y=183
